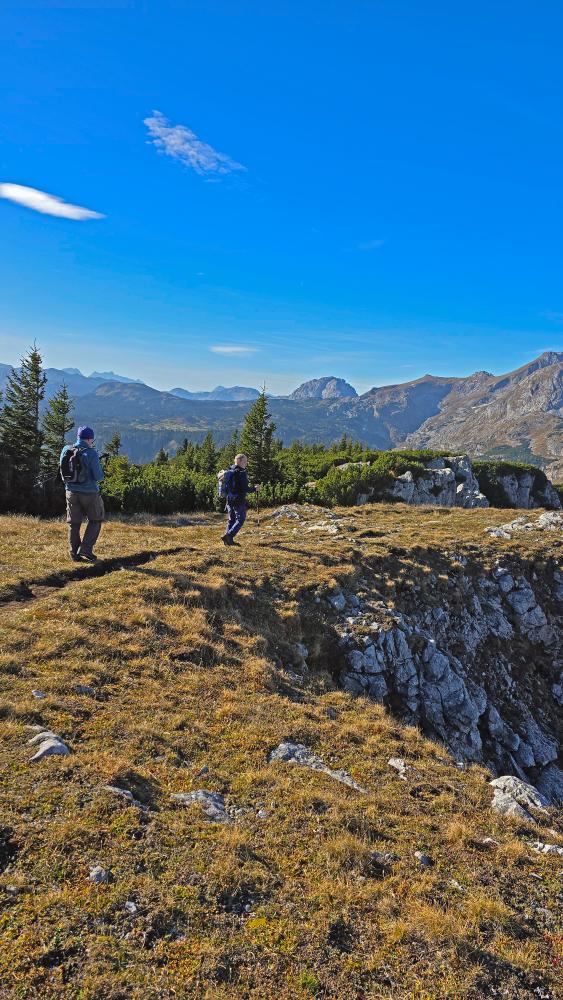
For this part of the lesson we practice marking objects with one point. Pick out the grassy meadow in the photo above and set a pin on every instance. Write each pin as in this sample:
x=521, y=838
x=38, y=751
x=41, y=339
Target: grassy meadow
x=183, y=645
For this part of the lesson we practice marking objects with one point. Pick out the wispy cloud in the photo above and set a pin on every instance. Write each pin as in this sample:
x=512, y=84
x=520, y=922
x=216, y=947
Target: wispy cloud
x=47, y=204
x=556, y=317
x=232, y=349
x=182, y=144
x=370, y=245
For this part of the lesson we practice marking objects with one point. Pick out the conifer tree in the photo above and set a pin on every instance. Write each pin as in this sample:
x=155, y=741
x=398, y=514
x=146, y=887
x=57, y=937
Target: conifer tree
x=162, y=457
x=20, y=433
x=207, y=454
x=57, y=422
x=113, y=446
x=256, y=440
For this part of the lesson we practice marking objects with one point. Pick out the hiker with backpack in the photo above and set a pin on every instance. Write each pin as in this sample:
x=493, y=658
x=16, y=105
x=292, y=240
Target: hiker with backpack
x=234, y=487
x=81, y=472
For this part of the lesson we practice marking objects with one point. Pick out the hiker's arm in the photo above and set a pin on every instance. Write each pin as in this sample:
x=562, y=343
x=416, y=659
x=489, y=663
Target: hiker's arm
x=96, y=466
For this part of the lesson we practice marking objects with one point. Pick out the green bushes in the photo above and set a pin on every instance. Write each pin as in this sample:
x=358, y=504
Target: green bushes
x=157, y=488
x=300, y=474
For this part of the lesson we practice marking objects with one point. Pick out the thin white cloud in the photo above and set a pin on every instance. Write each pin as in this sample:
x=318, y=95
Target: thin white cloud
x=232, y=349
x=47, y=204
x=182, y=144
x=556, y=317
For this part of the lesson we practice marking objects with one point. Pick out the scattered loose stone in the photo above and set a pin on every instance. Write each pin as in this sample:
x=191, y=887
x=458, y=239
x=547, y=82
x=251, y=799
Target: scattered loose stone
x=537, y=845
x=212, y=804
x=337, y=601
x=398, y=764
x=381, y=863
x=99, y=875
x=50, y=745
x=39, y=694
x=124, y=793
x=424, y=860
x=84, y=689
x=131, y=907
x=514, y=797
x=203, y=770
x=262, y=814
x=297, y=753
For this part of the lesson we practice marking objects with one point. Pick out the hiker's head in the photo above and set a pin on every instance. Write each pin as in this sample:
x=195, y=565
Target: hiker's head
x=85, y=435
x=241, y=461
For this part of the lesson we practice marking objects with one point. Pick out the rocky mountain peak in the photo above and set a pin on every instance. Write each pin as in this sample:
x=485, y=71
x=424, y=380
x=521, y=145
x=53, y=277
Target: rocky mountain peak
x=327, y=387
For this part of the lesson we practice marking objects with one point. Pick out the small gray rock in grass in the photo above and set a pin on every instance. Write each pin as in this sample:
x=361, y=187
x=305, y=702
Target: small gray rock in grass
x=398, y=764
x=39, y=694
x=99, y=875
x=424, y=860
x=50, y=745
x=537, y=845
x=84, y=689
x=514, y=797
x=296, y=753
x=124, y=793
x=212, y=804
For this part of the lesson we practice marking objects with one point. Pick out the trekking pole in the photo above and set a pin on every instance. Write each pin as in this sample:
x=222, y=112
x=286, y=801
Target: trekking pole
x=257, y=509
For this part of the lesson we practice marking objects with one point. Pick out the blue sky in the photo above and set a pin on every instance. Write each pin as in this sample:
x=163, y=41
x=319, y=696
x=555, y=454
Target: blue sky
x=390, y=200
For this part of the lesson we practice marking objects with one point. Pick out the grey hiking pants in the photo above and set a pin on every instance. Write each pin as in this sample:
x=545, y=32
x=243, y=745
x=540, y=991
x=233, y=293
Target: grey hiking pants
x=78, y=507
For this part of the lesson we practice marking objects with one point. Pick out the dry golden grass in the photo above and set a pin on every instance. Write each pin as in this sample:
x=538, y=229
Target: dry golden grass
x=184, y=652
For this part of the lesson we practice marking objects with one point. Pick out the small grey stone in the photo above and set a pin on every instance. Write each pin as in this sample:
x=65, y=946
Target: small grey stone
x=124, y=793
x=424, y=859
x=537, y=845
x=130, y=906
x=39, y=694
x=297, y=753
x=398, y=764
x=337, y=601
x=84, y=689
x=212, y=804
x=262, y=814
x=51, y=747
x=99, y=875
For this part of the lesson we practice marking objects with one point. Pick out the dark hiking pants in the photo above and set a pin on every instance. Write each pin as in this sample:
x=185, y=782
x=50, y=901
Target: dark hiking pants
x=236, y=517
x=78, y=507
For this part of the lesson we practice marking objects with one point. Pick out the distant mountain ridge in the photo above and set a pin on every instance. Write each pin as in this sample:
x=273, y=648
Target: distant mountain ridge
x=517, y=415
x=234, y=392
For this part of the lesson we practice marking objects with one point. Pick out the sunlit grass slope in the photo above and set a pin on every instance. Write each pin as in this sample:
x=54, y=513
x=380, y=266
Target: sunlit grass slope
x=182, y=645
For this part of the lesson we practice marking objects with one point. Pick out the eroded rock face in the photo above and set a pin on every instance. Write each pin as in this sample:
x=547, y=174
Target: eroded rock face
x=448, y=482
x=480, y=671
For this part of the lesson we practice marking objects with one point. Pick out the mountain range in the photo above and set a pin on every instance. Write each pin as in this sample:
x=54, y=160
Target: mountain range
x=517, y=415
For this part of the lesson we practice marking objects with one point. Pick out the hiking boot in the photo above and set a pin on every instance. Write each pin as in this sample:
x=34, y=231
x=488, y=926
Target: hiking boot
x=87, y=556
x=227, y=540
x=74, y=556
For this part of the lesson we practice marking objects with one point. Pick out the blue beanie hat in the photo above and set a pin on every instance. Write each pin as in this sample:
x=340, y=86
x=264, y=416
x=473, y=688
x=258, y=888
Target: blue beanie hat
x=85, y=433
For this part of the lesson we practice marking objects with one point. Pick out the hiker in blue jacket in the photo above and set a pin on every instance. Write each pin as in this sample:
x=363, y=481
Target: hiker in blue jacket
x=237, y=487
x=83, y=498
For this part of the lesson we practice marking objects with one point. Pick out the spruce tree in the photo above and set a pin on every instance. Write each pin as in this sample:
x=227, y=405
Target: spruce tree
x=20, y=433
x=113, y=446
x=57, y=422
x=256, y=440
x=161, y=458
x=207, y=454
